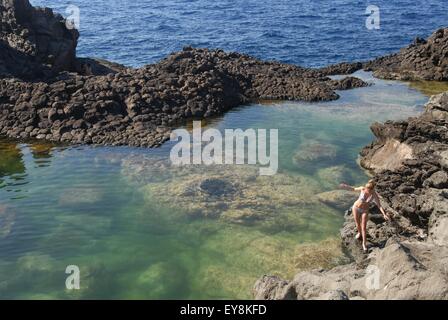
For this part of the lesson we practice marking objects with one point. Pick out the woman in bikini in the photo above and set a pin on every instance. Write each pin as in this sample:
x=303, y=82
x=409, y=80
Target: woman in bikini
x=361, y=208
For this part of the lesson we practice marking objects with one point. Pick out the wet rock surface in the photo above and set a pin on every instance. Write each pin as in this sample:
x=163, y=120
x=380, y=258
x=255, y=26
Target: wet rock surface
x=93, y=101
x=410, y=252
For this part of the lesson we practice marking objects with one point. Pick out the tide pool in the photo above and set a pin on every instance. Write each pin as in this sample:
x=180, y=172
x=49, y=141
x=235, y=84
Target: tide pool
x=140, y=228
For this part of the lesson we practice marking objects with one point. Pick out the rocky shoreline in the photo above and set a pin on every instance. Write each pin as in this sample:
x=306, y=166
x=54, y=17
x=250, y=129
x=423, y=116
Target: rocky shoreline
x=46, y=92
x=409, y=161
x=422, y=60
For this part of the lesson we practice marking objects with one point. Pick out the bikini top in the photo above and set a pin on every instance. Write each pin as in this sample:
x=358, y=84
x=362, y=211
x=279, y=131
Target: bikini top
x=363, y=198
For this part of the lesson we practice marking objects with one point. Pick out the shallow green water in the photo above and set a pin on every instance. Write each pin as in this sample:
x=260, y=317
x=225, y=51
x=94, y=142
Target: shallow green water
x=124, y=217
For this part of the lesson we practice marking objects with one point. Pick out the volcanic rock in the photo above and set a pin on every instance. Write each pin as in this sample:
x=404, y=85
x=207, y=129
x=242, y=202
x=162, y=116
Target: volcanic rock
x=407, y=256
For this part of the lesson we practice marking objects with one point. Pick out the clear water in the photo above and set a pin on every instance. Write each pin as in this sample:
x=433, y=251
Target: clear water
x=309, y=33
x=124, y=217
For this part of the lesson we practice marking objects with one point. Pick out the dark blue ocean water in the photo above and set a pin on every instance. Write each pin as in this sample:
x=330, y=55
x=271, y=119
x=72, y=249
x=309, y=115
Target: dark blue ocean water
x=305, y=32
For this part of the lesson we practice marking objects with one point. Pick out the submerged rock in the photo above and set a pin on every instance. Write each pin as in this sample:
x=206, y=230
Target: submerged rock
x=11, y=161
x=35, y=261
x=217, y=187
x=339, y=199
x=233, y=193
x=251, y=252
x=331, y=177
x=41, y=150
x=80, y=196
x=160, y=280
x=312, y=151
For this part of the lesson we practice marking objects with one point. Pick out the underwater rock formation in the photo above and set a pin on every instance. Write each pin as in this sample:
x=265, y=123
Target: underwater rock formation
x=331, y=177
x=339, y=199
x=237, y=194
x=312, y=151
x=79, y=196
x=11, y=161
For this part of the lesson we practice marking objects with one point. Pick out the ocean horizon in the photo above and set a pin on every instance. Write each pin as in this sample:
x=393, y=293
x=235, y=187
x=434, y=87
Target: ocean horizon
x=307, y=33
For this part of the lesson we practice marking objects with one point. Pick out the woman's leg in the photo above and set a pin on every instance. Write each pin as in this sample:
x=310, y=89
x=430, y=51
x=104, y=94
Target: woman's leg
x=357, y=218
x=364, y=219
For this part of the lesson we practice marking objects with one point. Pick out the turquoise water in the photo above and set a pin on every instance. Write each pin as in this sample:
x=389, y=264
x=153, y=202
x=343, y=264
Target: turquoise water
x=138, y=229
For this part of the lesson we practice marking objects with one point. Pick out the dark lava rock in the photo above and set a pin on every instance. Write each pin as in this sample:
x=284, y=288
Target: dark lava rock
x=422, y=60
x=34, y=42
x=341, y=68
x=125, y=106
x=93, y=101
x=98, y=67
x=348, y=83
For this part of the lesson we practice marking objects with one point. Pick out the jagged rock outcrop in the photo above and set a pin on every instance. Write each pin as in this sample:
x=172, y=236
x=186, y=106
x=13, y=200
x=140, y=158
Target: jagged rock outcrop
x=422, y=60
x=138, y=107
x=35, y=43
x=341, y=68
x=408, y=255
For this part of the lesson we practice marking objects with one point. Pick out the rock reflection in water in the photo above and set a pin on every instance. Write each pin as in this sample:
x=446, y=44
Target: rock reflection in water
x=12, y=156
x=11, y=161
